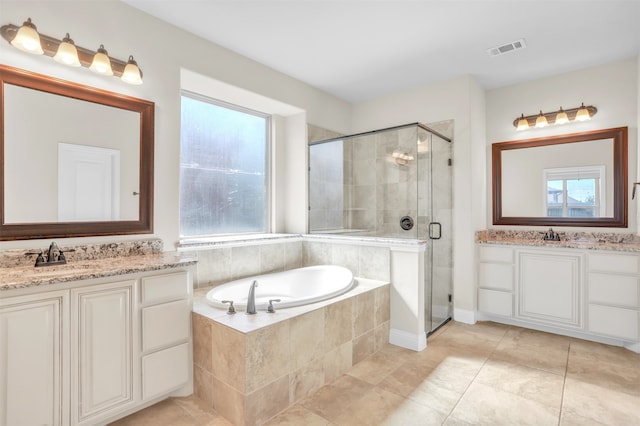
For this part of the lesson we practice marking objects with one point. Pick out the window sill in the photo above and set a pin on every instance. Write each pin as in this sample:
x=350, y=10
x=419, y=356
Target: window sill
x=233, y=241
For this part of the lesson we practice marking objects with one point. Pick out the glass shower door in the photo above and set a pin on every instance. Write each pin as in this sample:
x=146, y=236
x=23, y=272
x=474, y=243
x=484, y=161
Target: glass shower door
x=435, y=204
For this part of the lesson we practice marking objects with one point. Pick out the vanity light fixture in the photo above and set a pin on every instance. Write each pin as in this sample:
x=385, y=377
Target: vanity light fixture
x=27, y=39
x=562, y=116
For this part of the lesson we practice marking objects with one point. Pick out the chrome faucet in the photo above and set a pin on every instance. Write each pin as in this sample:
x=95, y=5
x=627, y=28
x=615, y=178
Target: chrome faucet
x=251, y=299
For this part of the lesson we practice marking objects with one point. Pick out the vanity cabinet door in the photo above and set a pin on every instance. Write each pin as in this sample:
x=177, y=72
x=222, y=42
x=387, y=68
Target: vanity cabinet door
x=32, y=359
x=103, y=351
x=549, y=287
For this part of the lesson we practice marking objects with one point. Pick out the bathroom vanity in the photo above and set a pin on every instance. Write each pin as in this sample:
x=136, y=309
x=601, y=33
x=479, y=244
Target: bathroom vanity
x=94, y=340
x=586, y=289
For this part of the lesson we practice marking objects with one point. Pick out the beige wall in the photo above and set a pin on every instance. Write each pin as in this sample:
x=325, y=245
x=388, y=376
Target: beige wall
x=612, y=88
x=161, y=53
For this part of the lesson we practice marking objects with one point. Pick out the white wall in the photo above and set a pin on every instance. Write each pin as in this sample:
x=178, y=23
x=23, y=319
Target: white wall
x=460, y=99
x=162, y=51
x=612, y=88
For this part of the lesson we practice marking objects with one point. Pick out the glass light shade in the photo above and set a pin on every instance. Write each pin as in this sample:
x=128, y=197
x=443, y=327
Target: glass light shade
x=583, y=114
x=27, y=39
x=101, y=63
x=67, y=53
x=541, y=121
x=562, y=117
x=131, y=73
x=523, y=123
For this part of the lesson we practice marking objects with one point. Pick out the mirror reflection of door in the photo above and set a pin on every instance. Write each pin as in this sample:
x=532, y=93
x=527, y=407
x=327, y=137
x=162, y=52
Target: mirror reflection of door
x=88, y=183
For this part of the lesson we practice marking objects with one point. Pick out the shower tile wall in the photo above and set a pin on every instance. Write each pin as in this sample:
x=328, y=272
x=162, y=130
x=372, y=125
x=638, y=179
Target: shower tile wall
x=381, y=191
x=326, y=180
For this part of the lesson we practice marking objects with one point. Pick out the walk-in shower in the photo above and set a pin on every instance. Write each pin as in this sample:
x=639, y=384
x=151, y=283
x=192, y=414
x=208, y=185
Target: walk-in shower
x=390, y=183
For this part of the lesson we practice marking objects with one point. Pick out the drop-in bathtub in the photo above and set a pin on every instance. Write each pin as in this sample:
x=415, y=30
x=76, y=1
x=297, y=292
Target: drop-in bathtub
x=294, y=287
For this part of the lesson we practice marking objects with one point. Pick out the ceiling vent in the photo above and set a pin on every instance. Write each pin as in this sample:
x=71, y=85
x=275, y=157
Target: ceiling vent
x=506, y=48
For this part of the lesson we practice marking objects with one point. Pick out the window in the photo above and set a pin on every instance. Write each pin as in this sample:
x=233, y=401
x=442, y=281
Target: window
x=224, y=176
x=574, y=191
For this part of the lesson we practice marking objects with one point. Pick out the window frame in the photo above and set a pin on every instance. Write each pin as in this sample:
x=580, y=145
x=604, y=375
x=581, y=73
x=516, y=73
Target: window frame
x=268, y=160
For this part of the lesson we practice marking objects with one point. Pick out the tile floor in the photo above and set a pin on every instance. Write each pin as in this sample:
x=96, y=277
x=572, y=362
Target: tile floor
x=483, y=374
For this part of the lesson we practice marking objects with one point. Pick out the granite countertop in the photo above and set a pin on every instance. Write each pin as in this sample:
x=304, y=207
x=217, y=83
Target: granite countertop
x=22, y=276
x=578, y=240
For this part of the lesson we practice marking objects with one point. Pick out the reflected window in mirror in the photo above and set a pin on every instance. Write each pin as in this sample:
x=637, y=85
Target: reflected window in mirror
x=578, y=179
x=574, y=192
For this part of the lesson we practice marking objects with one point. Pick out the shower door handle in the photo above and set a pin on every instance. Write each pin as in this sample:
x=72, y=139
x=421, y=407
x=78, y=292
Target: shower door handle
x=435, y=226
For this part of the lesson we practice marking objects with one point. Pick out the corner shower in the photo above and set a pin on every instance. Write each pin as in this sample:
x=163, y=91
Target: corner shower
x=390, y=183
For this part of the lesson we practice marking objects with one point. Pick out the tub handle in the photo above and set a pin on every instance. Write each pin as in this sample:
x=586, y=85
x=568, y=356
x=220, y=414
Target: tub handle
x=270, y=308
x=231, y=310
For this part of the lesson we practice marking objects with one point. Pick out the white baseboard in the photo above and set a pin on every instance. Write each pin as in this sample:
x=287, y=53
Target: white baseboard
x=404, y=339
x=464, y=315
x=635, y=347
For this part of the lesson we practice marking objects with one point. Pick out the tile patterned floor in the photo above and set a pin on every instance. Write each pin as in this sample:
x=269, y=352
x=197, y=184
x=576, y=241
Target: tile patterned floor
x=483, y=374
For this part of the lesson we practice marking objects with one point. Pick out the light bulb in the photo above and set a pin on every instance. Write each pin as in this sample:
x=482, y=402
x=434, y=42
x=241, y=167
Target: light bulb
x=541, y=121
x=67, y=53
x=131, y=73
x=27, y=39
x=583, y=114
x=523, y=123
x=561, y=117
x=101, y=63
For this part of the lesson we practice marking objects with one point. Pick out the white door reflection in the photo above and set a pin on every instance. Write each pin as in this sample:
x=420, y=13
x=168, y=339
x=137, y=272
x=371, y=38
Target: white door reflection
x=88, y=183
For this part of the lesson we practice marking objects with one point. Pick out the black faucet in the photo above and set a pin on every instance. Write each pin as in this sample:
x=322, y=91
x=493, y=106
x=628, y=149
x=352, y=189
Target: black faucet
x=53, y=256
x=550, y=235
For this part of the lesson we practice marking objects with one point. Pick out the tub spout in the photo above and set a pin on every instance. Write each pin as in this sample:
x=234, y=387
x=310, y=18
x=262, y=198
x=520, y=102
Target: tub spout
x=251, y=299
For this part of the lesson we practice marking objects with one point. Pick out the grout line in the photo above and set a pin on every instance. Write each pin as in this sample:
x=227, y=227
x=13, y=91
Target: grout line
x=564, y=384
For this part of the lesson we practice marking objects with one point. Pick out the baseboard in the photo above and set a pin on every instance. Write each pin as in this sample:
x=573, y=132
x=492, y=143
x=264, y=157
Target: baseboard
x=404, y=339
x=464, y=315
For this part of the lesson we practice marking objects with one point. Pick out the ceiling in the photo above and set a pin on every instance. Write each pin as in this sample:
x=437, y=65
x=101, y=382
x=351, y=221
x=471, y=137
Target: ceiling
x=363, y=49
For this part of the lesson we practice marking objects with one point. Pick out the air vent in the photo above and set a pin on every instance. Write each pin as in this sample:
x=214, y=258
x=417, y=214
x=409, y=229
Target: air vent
x=506, y=48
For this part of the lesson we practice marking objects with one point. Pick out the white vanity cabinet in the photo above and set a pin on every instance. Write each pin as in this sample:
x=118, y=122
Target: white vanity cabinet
x=614, y=295
x=93, y=351
x=591, y=294
x=495, y=280
x=103, y=319
x=166, y=331
x=34, y=359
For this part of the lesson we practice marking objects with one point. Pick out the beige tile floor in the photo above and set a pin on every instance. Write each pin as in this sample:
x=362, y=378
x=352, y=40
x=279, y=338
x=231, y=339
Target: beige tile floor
x=483, y=374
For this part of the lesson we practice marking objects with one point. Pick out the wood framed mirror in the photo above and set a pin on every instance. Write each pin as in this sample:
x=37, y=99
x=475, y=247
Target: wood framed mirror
x=75, y=161
x=577, y=179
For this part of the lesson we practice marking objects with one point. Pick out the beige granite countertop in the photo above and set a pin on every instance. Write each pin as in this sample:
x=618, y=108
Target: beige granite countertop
x=587, y=241
x=29, y=276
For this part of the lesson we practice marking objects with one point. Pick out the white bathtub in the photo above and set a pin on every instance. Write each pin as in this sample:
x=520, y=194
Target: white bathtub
x=294, y=287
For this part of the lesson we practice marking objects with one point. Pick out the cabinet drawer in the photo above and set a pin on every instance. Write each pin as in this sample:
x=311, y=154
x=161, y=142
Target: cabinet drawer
x=165, y=371
x=495, y=254
x=495, y=275
x=619, y=290
x=616, y=322
x=495, y=302
x=620, y=263
x=165, y=324
x=165, y=287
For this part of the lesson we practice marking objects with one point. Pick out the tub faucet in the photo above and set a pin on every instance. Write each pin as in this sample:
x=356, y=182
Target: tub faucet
x=251, y=299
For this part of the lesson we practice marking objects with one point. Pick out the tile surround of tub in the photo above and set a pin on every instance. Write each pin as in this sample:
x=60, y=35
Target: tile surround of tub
x=220, y=264
x=249, y=377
